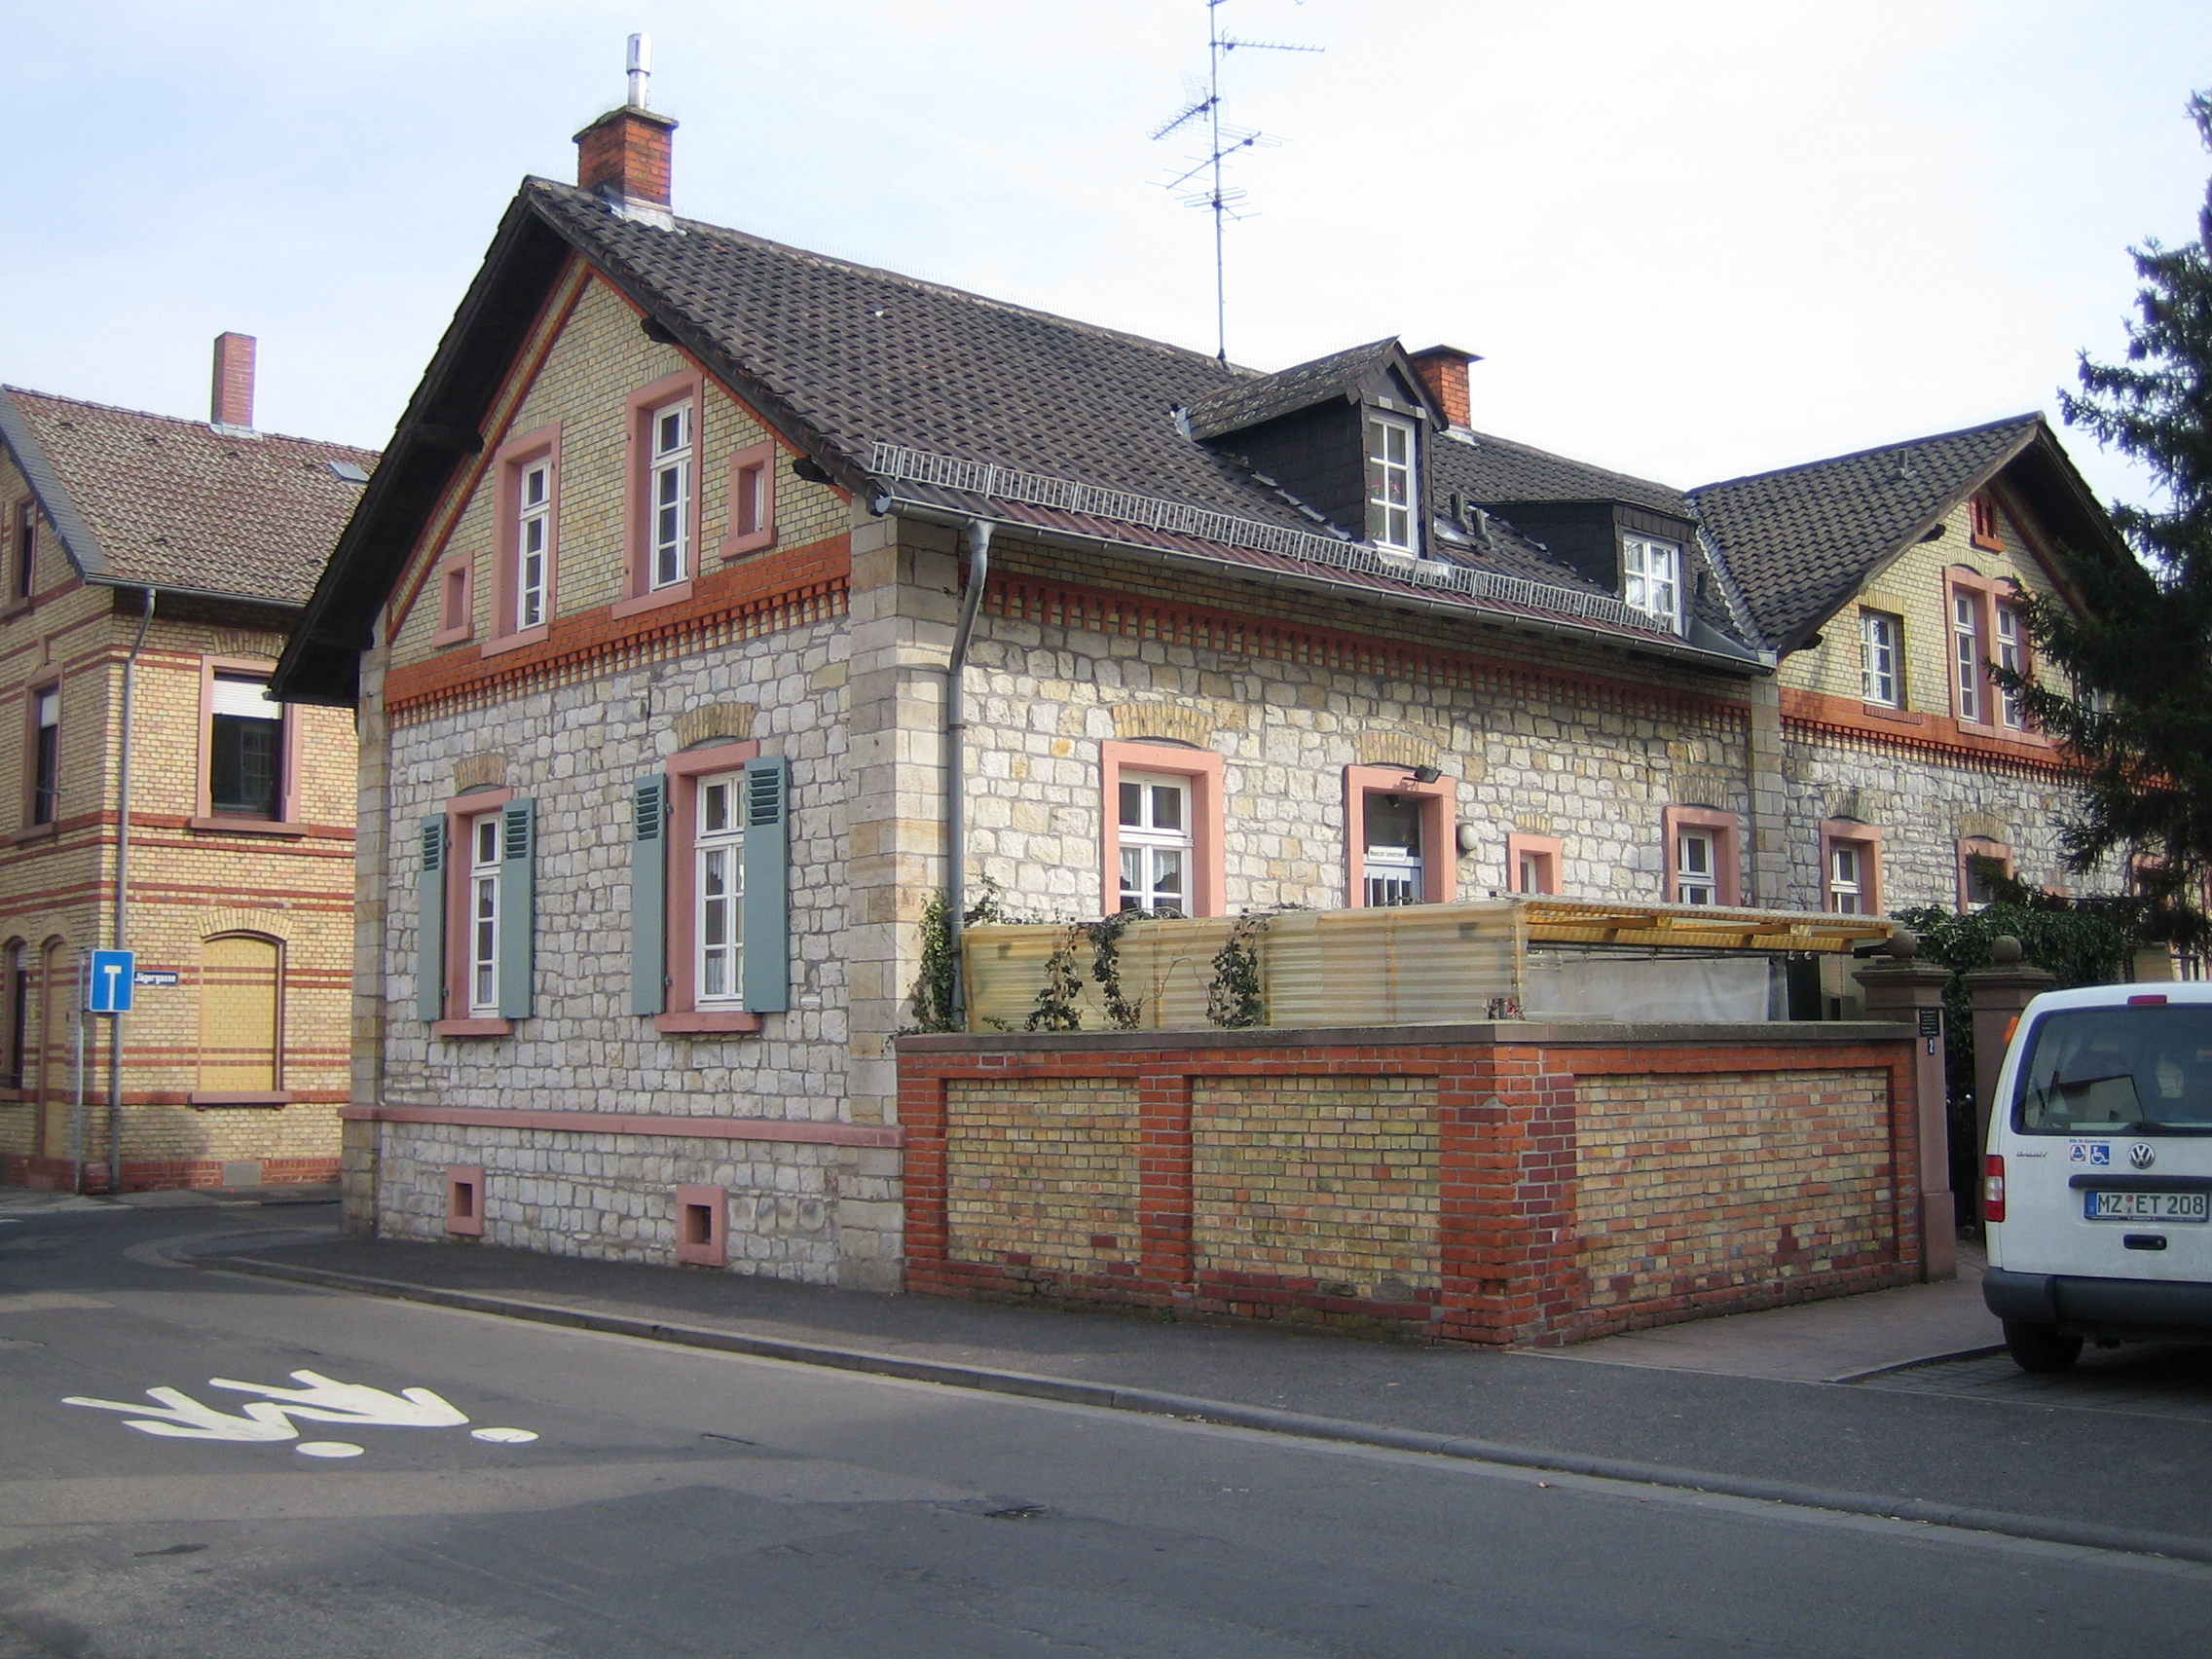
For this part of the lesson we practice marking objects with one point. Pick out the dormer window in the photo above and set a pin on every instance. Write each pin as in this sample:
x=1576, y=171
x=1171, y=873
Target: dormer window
x=1651, y=578
x=1392, y=517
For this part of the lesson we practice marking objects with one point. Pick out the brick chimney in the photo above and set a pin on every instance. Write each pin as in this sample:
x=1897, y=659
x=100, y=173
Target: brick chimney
x=232, y=404
x=623, y=157
x=1443, y=369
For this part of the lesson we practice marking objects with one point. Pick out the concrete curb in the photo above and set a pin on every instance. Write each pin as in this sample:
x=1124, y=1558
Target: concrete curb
x=2081, y=1533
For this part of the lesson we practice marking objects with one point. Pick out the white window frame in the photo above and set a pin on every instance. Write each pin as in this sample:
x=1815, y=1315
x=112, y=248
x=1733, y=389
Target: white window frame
x=1881, y=638
x=2010, y=653
x=1150, y=849
x=668, y=493
x=1392, y=877
x=1847, y=878
x=1651, y=578
x=1393, y=483
x=1966, y=653
x=1697, y=878
x=484, y=833
x=718, y=892
x=533, y=541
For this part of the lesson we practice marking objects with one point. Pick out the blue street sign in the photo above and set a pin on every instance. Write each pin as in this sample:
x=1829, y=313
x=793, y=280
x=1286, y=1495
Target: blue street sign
x=110, y=989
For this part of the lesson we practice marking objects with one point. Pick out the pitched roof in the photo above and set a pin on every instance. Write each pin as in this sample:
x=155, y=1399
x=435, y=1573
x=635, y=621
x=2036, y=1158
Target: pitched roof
x=1802, y=540
x=854, y=364
x=146, y=500
x=1498, y=470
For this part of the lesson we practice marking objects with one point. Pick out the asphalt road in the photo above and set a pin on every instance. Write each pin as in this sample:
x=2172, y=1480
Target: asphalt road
x=674, y=1501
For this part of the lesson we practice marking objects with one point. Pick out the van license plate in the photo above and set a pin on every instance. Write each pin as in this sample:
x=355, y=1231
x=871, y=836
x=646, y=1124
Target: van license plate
x=2148, y=1206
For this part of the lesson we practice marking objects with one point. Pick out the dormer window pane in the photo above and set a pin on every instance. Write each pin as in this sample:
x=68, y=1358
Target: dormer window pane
x=1390, y=483
x=1651, y=578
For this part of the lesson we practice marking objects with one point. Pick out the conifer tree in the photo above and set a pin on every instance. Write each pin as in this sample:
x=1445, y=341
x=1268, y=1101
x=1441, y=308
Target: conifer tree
x=2138, y=649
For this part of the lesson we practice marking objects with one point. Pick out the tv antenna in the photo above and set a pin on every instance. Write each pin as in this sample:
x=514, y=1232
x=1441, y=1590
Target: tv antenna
x=1220, y=200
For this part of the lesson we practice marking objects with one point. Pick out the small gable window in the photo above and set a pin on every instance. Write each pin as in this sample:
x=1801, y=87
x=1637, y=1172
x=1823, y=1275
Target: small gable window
x=1879, y=635
x=1651, y=578
x=533, y=540
x=1391, y=496
x=1982, y=526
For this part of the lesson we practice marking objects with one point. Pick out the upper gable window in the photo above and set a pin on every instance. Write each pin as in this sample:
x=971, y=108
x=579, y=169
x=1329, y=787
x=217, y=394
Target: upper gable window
x=668, y=490
x=1651, y=578
x=1983, y=524
x=1879, y=679
x=1392, y=517
x=24, y=579
x=533, y=542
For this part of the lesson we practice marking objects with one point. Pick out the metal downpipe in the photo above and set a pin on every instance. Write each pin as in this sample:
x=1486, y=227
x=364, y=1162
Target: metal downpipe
x=955, y=759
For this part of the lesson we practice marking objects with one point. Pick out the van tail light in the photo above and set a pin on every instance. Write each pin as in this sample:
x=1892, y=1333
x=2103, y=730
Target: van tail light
x=1993, y=1188
x=2149, y=999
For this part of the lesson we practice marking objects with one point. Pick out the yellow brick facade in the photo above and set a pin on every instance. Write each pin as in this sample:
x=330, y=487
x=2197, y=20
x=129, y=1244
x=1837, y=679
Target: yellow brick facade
x=188, y=885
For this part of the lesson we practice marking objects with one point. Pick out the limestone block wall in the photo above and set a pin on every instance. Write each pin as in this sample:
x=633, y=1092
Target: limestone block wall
x=1538, y=739
x=1493, y=1184
x=577, y=750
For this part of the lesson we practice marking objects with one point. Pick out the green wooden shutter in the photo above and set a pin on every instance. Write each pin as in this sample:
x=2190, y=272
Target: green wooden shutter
x=518, y=906
x=648, y=895
x=767, y=885
x=430, y=941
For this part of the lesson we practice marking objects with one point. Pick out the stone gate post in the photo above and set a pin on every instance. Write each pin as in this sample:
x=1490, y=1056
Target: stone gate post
x=2000, y=992
x=1905, y=992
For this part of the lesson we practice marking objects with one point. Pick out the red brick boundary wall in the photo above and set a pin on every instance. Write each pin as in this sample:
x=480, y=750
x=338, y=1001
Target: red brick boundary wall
x=1474, y=1183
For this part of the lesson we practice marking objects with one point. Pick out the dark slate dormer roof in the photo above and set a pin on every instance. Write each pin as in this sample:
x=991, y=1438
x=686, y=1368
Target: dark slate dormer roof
x=146, y=500
x=1495, y=470
x=1256, y=399
x=1800, y=541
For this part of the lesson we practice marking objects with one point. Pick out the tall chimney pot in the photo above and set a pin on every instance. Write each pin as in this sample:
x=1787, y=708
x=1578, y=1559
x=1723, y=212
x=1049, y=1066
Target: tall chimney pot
x=232, y=404
x=1443, y=369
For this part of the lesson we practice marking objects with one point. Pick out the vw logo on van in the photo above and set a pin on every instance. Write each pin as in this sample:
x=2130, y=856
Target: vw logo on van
x=2142, y=1155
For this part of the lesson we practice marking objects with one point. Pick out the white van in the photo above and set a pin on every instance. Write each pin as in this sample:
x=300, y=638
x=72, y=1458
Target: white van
x=2097, y=1186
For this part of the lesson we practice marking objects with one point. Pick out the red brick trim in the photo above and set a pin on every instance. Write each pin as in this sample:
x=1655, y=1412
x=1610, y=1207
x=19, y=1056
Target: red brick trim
x=797, y=1131
x=1935, y=737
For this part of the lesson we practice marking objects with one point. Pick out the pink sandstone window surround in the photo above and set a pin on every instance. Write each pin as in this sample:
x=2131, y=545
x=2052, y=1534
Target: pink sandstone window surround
x=464, y=1199
x=525, y=556
x=1202, y=770
x=684, y=770
x=224, y=684
x=1721, y=835
x=1533, y=863
x=462, y=811
x=455, y=598
x=1851, y=867
x=1983, y=624
x=751, y=500
x=1419, y=861
x=1974, y=893
x=702, y=1226
x=640, y=590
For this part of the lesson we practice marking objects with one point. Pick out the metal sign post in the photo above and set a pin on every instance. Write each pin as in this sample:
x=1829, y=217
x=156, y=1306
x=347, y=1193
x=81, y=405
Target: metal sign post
x=77, y=1113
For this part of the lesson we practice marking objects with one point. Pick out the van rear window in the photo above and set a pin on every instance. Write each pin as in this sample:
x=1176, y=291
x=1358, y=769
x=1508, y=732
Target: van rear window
x=2116, y=1070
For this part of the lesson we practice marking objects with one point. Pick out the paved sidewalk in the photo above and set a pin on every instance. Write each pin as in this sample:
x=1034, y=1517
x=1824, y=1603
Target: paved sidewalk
x=1843, y=1340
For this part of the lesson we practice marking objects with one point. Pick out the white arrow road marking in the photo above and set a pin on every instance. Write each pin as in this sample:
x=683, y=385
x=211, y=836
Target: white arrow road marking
x=180, y=1417
x=325, y=1400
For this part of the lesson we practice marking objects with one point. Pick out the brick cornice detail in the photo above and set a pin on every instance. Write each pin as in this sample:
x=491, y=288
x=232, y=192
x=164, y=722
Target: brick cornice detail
x=805, y=586
x=1030, y=599
x=1937, y=737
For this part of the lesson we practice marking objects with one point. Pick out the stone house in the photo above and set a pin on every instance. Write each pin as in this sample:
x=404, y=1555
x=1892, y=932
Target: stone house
x=649, y=614
x=153, y=568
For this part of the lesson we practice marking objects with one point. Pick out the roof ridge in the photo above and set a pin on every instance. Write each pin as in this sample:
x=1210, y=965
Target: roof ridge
x=2033, y=416
x=946, y=289
x=180, y=419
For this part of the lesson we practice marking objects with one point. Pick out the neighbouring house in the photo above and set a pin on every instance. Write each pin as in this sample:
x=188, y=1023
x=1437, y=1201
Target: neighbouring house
x=649, y=619
x=163, y=802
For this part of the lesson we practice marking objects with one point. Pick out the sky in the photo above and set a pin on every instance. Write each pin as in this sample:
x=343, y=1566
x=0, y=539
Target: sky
x=1690, y=238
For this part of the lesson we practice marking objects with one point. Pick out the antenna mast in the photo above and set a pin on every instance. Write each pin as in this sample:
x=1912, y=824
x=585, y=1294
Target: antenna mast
x=1225, y=142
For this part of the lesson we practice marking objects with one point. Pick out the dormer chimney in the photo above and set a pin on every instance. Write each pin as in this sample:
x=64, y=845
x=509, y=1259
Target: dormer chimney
x=232, y=403
x=1443, y=369
x=623, y=157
